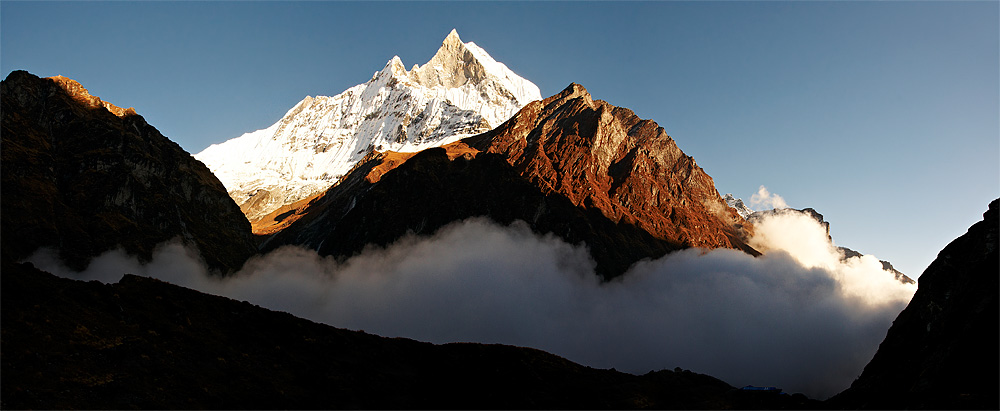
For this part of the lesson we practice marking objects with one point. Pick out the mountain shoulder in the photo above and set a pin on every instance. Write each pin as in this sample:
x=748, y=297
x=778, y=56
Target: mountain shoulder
x=144, y=343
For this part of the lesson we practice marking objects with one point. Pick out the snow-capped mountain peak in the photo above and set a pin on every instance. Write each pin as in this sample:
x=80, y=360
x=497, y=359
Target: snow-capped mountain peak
x=737, y=204
x=460, y=92
x=452, y=66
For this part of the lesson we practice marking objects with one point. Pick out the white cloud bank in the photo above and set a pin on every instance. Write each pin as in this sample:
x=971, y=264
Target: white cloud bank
x=795, y=318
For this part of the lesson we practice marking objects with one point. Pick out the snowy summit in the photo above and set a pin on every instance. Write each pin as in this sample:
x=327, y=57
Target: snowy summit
x=737, y=204
x=460, y=92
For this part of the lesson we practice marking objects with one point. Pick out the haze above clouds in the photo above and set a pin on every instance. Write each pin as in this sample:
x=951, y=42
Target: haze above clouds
x=883, y=116
x=796, y=317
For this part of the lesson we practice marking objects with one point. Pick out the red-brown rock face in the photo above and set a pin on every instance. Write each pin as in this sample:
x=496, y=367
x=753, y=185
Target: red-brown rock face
x=81, y=95
x=582, y=170
x=607, y=158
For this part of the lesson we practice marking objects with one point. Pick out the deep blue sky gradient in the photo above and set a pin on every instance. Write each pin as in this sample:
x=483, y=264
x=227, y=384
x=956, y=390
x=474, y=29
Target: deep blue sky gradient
x=883, y=116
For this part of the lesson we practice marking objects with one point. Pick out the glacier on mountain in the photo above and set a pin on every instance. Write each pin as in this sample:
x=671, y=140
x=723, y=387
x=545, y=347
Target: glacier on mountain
x=460, y=92
x=737, y=204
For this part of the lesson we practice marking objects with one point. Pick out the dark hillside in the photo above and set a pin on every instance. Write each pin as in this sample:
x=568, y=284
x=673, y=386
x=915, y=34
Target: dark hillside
x=943, y=350
x=84, y=176
x=143, y=343
x=579, y=168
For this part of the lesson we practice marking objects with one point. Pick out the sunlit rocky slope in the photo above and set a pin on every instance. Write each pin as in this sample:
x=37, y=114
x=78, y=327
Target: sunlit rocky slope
x=461, y=91
x=82, y=176
x=579, y=168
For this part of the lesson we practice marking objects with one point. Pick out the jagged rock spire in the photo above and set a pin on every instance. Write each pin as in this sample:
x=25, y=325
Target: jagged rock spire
x=460, y=92
x=454, y=65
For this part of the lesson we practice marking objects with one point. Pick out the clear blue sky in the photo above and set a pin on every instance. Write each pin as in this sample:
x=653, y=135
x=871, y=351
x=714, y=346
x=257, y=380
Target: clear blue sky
x=883, y=116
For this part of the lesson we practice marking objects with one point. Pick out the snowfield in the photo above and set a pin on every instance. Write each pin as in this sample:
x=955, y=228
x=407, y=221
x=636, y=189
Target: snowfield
x=460, y=92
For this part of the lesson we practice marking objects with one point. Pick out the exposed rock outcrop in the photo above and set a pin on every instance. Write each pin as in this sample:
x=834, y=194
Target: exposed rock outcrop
x=941, y=351
x=581, y=169
x=84, y=176
x=460, y=92
x=887, y=266
x=738, y=205
x=606, y=158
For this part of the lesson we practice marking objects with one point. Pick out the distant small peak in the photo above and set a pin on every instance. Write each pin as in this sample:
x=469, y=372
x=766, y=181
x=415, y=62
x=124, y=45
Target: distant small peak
x=452, y=46
x=394, y=61
x=394, y=67
x=452, y=38
x=397, y=62
x=575, y=88
x=453, y=65
x=573, y=91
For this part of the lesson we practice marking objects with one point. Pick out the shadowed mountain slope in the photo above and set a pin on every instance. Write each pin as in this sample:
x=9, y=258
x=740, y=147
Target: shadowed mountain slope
x=460, y=92
x=84, y=176
x=429, y=191
x=942, y=350
x=605, y=158
x=569, y=165
x=143, y=343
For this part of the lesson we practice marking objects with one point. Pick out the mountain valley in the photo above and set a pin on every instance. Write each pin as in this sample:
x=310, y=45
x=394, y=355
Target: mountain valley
x=398, y=157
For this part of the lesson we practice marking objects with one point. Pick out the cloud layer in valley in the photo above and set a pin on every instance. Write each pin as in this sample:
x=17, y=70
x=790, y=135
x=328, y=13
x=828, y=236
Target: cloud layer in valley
x=797, y=317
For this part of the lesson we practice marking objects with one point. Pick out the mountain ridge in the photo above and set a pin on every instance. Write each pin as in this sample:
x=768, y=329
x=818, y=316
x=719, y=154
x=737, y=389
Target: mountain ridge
x=69, y=158
x=941, y=350
x=846, y=253
x=461, y=91
x=624, y=166
x=84, y=176
x=588, y=189
x=145, y=343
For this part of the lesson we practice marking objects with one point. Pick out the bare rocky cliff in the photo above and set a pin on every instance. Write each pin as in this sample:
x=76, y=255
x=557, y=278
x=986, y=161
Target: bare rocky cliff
x=581, y=169
x=460, y=92
x=85, y=176
x=606, y=158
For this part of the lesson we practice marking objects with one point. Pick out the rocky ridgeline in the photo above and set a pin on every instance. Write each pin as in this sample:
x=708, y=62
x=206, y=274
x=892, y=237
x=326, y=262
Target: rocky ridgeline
x=84, y=176
x=941, y=351
x=145, y=344
x=606, y=158
x=737, y=205
x=460, y=92
x=572, y=166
